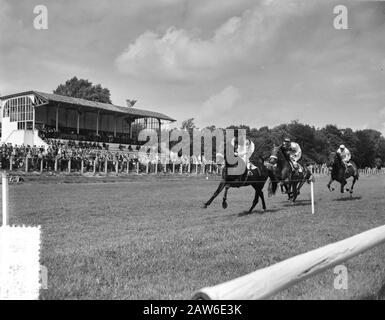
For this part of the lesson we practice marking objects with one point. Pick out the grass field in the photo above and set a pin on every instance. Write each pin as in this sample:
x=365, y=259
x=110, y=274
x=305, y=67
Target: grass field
x=148, y=238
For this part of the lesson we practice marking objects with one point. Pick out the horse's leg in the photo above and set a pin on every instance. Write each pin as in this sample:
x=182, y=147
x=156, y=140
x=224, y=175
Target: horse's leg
x=351, y=188
x=262, y=198
x=218, y=191
x=343, y=183
x=256, y=198
x=289, y=190
x=295, y=184
x=301, y=183
x=329, y=185
x=224, y=202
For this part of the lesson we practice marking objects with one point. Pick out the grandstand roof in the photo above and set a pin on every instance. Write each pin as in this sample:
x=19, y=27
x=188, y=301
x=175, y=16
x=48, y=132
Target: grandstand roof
x=51, y=97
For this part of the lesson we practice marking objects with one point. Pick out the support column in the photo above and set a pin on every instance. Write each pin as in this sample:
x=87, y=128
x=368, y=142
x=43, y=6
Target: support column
x=57, y=119
x=97, y=123
x=78, y=123
x=159, y=136
x=33, y=117
x=115, y=124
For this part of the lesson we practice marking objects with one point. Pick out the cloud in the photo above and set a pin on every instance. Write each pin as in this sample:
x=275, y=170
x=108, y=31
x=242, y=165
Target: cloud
x=179, y=54
x=218, y=106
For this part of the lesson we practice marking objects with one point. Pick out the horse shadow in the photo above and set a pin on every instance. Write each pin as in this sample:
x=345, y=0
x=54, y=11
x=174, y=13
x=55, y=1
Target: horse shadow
x=348, y=198
x=297, y=203
x=260, y=212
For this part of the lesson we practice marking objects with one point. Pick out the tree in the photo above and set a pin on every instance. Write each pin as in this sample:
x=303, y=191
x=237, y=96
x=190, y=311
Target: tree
x=188, y=125
x=84, y=89
x=365, y=149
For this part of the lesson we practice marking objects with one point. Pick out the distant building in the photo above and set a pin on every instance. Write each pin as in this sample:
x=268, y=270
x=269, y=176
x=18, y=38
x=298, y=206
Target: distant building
x=30, y=117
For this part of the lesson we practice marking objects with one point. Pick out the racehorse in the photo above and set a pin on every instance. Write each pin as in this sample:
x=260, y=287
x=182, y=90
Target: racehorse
x=291, y=179
x=256, y=180
x=340, y=174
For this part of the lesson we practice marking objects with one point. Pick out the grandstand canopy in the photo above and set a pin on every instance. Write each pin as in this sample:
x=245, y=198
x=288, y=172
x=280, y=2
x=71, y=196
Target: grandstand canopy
x=76, y=118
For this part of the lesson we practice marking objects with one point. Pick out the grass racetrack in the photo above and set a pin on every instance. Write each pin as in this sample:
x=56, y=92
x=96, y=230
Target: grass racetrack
x=149, y=238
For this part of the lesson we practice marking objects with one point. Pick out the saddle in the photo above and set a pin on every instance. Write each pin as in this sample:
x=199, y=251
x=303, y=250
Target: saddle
x=299, y=169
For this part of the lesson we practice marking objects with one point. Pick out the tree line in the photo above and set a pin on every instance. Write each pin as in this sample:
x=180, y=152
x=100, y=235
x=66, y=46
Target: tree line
x=366, y=146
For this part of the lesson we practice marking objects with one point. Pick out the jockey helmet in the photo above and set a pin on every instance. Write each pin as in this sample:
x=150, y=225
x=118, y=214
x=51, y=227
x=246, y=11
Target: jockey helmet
x=286, y=142
x=342, y=147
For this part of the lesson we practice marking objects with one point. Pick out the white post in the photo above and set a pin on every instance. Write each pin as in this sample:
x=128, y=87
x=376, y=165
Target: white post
x=5, y=199
x=69, y=165
x=82, y=167
x=117, y=167
x=312, y=196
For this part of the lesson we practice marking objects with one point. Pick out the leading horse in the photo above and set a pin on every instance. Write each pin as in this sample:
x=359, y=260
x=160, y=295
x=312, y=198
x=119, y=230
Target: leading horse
x=340, y=174
x=283, y=172
x=257, y=180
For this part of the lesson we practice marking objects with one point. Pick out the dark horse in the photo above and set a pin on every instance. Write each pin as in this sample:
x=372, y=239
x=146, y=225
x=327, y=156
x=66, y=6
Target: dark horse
x=340, y=174
x=291, y=179
x=256, y=180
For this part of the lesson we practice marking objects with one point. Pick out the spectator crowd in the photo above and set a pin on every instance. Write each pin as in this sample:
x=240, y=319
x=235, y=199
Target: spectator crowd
x=86, y=156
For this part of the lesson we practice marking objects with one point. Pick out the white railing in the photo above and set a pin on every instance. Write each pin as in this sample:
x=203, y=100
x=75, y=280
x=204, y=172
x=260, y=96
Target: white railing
x=370, y=171
x=266, y=282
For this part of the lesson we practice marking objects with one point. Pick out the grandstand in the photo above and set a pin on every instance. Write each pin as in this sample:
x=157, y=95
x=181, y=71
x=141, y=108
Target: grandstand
x=33, y=117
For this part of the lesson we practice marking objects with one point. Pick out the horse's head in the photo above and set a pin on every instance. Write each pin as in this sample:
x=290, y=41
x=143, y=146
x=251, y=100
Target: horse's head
x=275, y=155
x=333, y=159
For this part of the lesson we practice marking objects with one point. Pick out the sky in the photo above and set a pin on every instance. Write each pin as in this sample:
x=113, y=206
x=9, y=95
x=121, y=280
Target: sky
x=221, y=62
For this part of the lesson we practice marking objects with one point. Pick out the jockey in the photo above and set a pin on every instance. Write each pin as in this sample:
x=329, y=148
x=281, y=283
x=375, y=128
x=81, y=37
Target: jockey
x=245, y=151
x=345, y=155
x=293, y=150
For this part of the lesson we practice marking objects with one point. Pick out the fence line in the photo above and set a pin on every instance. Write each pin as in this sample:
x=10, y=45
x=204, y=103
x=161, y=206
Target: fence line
x=266, y=282
x=109, y=166
x=69, y=165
